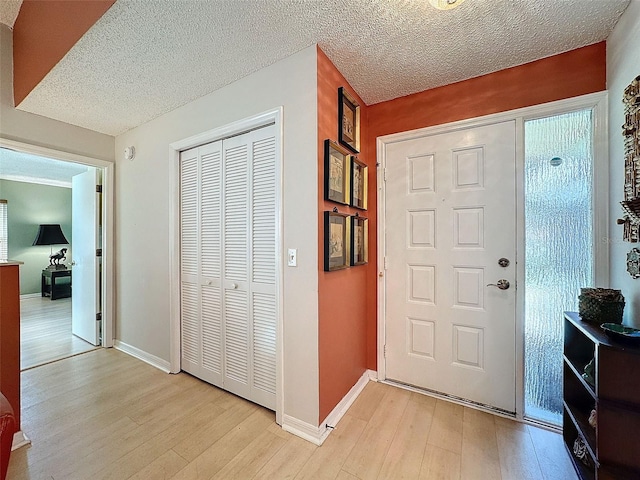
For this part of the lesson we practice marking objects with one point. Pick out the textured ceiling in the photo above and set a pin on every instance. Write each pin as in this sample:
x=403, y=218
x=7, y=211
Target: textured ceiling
x=144, y=58
x=23, y=167
x=9, y=11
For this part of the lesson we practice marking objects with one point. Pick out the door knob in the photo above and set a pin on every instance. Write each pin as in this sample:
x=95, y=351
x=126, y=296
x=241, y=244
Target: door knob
x=502, y=284
x=234, y=285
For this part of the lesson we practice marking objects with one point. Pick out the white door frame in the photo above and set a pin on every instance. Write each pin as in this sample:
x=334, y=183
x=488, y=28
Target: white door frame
x=108, y=177
x=242, y=126
x=598, y=103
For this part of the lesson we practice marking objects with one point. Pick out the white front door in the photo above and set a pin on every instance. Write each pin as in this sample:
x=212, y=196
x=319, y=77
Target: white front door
x=85, y=210
x=450, y=216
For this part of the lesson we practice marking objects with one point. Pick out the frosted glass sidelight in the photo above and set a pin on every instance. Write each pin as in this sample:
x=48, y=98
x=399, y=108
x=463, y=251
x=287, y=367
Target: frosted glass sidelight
x=558, y=248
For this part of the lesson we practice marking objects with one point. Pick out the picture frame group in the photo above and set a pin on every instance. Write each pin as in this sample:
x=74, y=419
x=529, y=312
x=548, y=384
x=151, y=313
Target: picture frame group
x=346, y=177
x=345, y=241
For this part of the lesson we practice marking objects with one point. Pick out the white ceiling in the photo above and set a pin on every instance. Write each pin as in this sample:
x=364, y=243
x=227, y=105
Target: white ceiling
x=9, y=11
x=24, y=167
x=144, y=58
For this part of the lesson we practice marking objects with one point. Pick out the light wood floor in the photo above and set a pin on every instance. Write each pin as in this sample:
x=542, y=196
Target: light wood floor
x=105, y=415
x=45, y=331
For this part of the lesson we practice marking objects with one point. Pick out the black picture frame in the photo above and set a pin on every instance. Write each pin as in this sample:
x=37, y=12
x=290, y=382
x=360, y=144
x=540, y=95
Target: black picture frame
x=359, y=241
x=359, y=184
x=337, y=173
x=337, y=245
x=348, y=121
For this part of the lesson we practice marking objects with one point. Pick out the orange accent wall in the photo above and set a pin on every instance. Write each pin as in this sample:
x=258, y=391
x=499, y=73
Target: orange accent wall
x=561, y=76
x=342, y=295
x=10, y=337
x=566, y=75
x=43, y=33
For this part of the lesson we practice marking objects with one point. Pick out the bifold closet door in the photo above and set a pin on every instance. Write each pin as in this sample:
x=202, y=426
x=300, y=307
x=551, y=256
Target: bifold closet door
x=201, y=256
x=229, y=307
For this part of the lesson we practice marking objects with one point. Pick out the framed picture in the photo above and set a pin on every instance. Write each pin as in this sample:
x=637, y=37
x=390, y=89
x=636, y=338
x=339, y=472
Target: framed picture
x=359, y=240
x=348, y=121
x=359, y=183
x=336, y=241
x=337, y=173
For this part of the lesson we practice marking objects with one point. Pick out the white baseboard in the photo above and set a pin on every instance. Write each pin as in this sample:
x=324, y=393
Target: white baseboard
x=30, y=295
x=19, y=440
x=302, y=429
x=373, y=375
x=142, y=355
x=341, y=408
x=317, y=435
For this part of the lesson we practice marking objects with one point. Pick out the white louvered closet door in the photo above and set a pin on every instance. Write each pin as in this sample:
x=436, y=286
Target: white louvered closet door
x=229, y=307
x=201, y=238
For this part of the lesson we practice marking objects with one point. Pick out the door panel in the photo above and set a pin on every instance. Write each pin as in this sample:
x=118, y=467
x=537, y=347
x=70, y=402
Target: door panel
x=450, y=215
x=85, y=208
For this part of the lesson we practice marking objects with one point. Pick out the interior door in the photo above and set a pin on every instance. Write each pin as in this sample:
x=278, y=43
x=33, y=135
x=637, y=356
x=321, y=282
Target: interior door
x=228, y=256
x=450, y=218
x=85, y=299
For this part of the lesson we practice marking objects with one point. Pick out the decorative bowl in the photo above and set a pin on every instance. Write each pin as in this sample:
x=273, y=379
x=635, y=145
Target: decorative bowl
x=622, y=332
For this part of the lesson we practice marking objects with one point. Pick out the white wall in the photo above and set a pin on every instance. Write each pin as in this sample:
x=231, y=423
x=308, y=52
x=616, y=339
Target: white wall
x=623, y=65
x=142, y=216
x=41, y=131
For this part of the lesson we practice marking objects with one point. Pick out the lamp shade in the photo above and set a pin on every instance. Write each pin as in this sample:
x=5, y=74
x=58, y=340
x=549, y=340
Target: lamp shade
x=50, y=235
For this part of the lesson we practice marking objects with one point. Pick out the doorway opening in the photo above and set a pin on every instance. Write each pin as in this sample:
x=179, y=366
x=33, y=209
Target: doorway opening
x=42, y=189
x=559, y=248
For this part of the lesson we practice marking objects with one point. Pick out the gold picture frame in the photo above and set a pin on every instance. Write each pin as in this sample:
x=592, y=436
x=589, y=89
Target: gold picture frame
x=337, y=173
x=348, y=121
x=359, y=183
x=337, y=245
x=359, y=240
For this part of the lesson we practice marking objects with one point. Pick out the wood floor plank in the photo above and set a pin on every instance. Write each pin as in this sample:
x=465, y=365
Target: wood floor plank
x=163, y=468
x=517, y=455
x=288, y=461
x=326, y=462
x=206, y=436
x=342, y=475
x=479, y=459
x=405, y=454
x=552, y=455
x=366, y=458
x=440, y=464
x=217, y=456
x=149, y=452
x=446, y=428
x=252, y=458
x=368, y=400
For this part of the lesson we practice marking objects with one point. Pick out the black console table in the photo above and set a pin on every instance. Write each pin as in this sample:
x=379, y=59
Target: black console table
x=51, y=287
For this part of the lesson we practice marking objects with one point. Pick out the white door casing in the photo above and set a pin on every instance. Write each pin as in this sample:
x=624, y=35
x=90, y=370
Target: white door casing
x=228, y=256
x=85, y=299
x=450, y=215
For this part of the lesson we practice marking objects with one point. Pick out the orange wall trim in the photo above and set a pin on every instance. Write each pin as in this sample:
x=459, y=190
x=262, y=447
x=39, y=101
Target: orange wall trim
x=44, y=32
x=342, y=295
x=565, y=75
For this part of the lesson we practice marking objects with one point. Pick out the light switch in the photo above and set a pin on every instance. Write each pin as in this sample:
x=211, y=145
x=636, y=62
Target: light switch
x=292, y=257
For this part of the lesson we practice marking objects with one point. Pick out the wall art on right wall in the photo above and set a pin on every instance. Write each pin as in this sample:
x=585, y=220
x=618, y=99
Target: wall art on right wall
x=631, y=134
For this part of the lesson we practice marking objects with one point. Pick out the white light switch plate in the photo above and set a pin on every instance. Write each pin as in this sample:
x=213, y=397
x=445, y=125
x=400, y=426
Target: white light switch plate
x=292, y=257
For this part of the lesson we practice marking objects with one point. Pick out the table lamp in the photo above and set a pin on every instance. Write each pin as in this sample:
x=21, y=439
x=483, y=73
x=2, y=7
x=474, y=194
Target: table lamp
x=51, y=234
